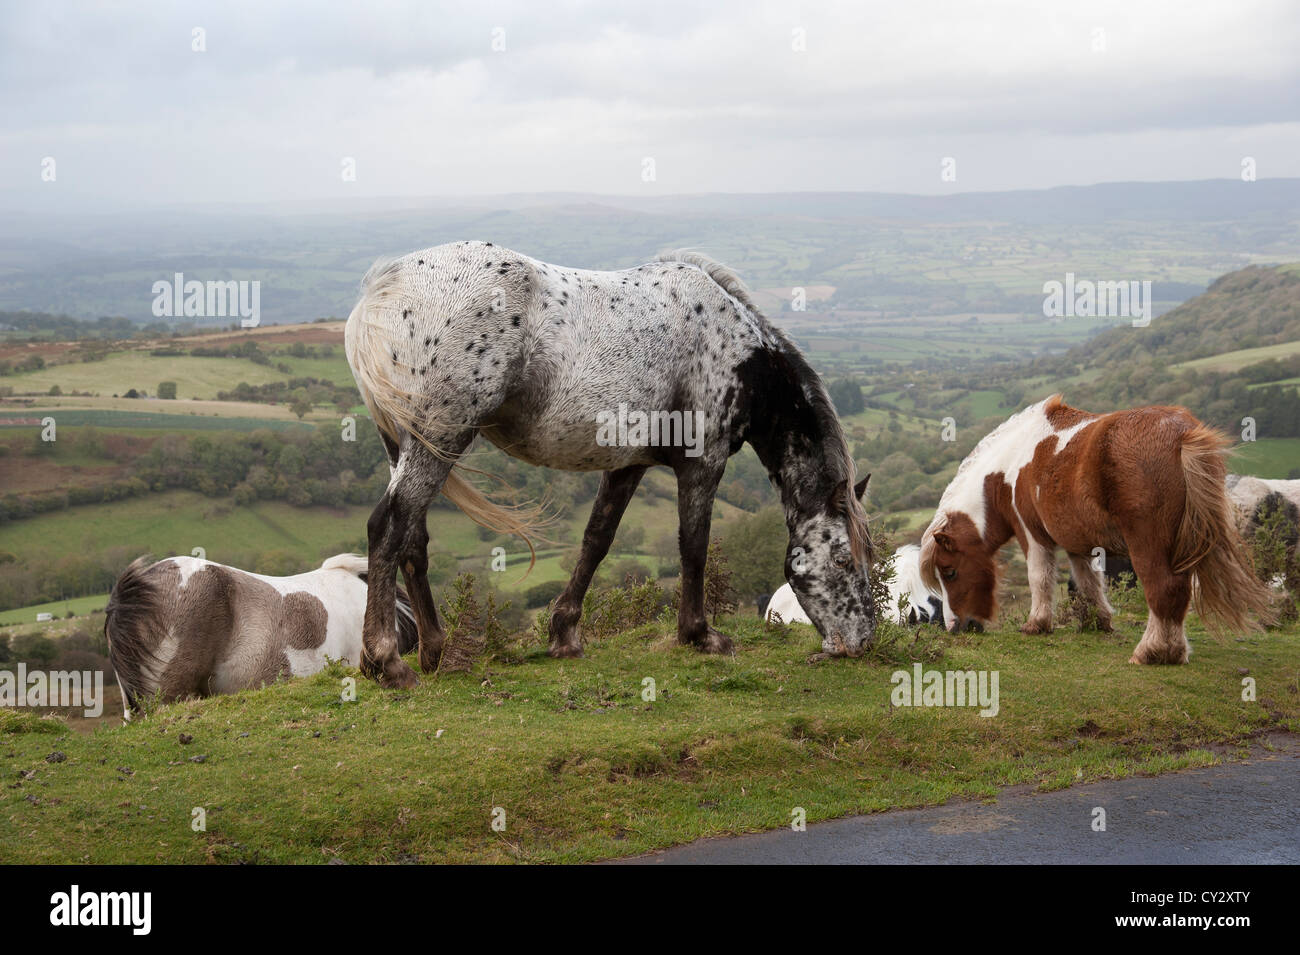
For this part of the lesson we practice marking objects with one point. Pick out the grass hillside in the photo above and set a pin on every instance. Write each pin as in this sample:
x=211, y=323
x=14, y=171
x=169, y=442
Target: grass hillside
x=580, y=765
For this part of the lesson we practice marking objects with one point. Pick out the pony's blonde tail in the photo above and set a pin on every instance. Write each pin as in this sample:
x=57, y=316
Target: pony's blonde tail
x=1208, y=543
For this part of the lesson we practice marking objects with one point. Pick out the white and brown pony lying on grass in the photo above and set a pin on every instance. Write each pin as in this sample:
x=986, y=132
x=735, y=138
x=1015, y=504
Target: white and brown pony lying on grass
x=923, y=605
x=1147, y=483
x=186, y=627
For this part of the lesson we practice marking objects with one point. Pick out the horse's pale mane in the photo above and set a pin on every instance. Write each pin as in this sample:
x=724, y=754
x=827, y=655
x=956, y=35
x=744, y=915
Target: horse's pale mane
x=839, y=460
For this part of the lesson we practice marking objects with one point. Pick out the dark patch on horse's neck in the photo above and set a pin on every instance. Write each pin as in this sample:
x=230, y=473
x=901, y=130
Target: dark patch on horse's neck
x=785, y=428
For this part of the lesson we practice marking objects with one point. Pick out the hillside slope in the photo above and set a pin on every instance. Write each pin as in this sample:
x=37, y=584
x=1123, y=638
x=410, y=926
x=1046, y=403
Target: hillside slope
x=1250, y=308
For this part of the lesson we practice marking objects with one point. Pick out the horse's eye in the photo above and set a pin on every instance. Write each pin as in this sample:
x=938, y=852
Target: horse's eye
x=843, y=561
x=950, y=573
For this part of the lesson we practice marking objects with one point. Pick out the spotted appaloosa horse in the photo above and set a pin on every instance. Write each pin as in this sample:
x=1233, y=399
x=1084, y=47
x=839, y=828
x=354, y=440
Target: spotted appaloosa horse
x=187, y=627
x=1147, y=483
x=470, y=338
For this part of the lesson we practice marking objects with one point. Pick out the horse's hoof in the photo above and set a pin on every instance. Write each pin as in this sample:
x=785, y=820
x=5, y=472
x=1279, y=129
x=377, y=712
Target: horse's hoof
x=564, y=651
x=1035, y=628
x=715, y=642
x=398, y=676
x=430, y=659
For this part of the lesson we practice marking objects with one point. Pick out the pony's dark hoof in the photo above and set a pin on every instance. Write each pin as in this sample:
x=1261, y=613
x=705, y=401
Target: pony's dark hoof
x=564, y=651
x=1036, y=628
x=715, y=642
x=398, y=676
x=430, y=658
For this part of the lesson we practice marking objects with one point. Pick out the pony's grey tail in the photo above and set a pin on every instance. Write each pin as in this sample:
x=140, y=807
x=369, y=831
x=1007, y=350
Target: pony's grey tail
x=132, y=609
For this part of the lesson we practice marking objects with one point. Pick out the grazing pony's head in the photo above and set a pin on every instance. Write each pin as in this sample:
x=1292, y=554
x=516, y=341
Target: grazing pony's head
x=828, y=563
x=955, y=561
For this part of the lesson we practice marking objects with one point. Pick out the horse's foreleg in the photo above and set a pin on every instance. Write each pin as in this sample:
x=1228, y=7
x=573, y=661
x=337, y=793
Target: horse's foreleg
x=1092, y=586
x=616, y=490
x=695, y=491
x=1042, y=587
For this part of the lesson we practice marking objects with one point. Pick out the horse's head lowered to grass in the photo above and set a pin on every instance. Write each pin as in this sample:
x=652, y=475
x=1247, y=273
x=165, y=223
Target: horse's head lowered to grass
x=954, y=559
x=828, y=564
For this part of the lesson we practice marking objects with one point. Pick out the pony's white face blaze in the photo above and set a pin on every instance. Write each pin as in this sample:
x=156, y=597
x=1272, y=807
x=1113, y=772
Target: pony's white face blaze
x=832, y=590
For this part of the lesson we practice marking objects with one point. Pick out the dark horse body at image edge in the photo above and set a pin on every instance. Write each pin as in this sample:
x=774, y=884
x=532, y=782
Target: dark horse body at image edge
x=470, y=338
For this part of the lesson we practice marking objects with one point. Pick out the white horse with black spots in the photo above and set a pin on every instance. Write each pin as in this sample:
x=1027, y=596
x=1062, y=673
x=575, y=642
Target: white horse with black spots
x=470, y=338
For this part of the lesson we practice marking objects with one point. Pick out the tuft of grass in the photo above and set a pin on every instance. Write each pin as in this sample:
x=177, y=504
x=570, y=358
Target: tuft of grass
x=27, y=721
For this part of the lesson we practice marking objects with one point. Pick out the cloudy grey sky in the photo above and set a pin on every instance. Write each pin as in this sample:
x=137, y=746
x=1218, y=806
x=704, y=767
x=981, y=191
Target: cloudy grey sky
x=718, y=94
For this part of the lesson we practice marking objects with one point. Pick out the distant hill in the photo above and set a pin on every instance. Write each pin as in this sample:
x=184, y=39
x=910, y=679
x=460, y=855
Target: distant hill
x=1230, y=355
x=1248, y=309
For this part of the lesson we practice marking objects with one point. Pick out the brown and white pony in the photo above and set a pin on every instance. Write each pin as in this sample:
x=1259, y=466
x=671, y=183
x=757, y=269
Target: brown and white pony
x=186, y=627
x=1147, y=483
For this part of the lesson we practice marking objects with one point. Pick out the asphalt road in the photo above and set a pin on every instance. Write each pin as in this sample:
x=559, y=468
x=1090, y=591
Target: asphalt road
x=1237, y=813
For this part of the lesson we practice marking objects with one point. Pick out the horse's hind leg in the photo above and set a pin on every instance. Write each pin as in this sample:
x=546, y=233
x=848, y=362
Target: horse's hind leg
x=616, y=490
x=695, y=490
x=399, y=537
x=1092, y=586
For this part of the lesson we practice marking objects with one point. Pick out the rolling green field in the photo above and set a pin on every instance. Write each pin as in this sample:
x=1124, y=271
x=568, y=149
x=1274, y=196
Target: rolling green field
x=165, y=420
x=1234, y=360
x=1267, y=457
x=579, y=765
x=77, y=606
x=199, y=377
x=179, y=521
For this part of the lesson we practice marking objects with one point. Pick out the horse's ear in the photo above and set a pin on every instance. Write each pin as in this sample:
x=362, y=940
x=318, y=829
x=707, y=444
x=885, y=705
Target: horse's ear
x=860, y=488
x=944, y=540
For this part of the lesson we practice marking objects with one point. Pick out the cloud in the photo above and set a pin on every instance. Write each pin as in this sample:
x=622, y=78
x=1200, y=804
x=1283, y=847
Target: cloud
x=729, y=95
